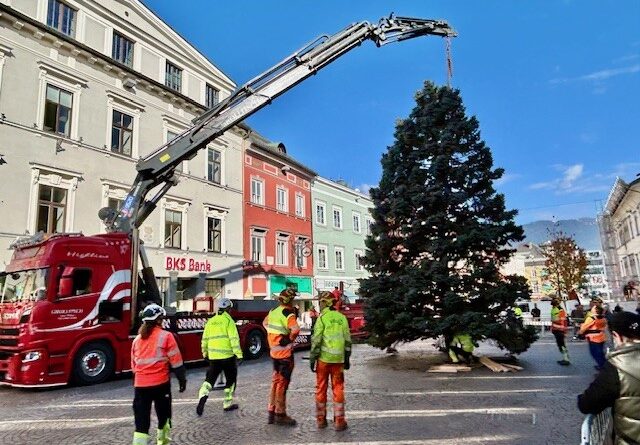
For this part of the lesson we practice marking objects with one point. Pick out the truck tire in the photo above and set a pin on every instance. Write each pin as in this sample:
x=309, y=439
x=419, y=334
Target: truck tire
x=93, y=363
x=256, y=344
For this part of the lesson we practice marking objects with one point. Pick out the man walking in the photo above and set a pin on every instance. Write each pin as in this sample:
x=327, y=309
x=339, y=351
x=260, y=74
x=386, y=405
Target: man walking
x=559, y=329
x=618, y=383
x=221, y=348
x=282, y=329
x=329, y=357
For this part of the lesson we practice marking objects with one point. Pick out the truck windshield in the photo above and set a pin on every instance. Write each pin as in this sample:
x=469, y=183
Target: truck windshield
x=24, y=285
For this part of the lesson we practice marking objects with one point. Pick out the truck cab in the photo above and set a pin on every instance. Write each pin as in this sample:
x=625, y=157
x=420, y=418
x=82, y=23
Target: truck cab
x=64, y=308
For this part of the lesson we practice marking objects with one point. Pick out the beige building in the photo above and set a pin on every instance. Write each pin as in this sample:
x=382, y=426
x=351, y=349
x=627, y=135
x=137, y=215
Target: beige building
x=620, y=234
x=86, y=89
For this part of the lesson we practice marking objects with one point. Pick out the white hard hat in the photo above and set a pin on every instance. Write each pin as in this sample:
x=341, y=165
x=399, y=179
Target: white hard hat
x=152, y=312
x=224, y=303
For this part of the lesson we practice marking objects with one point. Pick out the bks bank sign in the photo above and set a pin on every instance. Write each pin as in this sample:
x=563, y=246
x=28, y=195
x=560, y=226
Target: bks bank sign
x=185, y=264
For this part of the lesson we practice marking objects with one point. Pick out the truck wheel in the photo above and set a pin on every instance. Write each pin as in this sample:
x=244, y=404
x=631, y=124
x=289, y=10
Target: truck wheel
x=255, y=345
x=94, y=363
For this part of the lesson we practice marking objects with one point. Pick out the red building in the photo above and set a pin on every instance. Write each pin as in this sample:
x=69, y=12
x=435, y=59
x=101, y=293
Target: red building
x=277, y=220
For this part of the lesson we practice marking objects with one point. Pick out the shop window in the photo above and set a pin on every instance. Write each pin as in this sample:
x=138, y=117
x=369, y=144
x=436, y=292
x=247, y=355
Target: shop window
x=214, y=288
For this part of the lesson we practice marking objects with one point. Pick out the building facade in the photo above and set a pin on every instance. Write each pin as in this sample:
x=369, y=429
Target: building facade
x=277, y=225
x=341, y=222
x=87, y=89
x=619, y=225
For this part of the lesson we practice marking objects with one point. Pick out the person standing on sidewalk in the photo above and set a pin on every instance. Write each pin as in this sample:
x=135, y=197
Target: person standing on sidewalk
x=282, y=329
x=153, y=353
x=221, y=348
x=617, y=385
x=559, y=329
x=594, y=328
x=329, y=357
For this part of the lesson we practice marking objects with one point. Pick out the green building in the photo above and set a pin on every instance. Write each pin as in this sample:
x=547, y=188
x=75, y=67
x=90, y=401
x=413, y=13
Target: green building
x=341, y=222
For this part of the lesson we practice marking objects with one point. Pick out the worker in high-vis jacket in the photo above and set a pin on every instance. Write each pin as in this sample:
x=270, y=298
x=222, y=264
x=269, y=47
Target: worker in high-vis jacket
x=461, y=348
x=282, y=329
x=329, y=357
x=559, y=327
x=221, y=348
x=154, y=353
x=594, y=328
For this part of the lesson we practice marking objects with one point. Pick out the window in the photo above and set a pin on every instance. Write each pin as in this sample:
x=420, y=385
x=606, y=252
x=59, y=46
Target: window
x=52, y=202
x=321, y=212
x=81, y=281
x=214, y=166
x=214, y=235
x=282, y=243
x=121, y=133
x=337, y=218
x=212, y=96
x=213, y=287
x=300, y=205
x=170, y=137
x=359, y=258
x=322, y=257
x=173, y=229
x=282, y=199
x=257, y=197
x=62, y=17
x=173, y=77
x=57, y=110
x=339, y=252
x=122, y=50
x=302, y=251
x=369, y=223
x=356, y=222
x=257, y=245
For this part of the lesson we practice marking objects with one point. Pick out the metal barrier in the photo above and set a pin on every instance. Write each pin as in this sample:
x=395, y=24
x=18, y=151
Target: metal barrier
x=597, y=429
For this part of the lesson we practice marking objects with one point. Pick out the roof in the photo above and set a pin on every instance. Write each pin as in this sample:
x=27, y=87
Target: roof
x=277, y=150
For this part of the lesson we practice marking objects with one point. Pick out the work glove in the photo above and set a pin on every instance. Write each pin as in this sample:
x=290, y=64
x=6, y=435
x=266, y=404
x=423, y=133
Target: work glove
x=284, y=341
x=347, y=361
x=183, y=385
x=312, y=365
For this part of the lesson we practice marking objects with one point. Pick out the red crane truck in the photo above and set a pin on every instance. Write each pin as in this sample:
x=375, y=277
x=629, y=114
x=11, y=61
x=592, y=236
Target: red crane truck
x=70, y=302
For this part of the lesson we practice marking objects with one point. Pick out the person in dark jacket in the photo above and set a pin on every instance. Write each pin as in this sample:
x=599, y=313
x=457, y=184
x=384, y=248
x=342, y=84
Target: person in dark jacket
x=618, y=383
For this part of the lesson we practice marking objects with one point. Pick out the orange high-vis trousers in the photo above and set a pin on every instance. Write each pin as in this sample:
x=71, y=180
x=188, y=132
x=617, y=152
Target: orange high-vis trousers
x=335, y=372
x=282, y=369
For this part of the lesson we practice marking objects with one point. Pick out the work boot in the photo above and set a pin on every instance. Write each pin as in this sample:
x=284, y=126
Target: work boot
x=283, y=419
x=200, y=407
x=321, y=422
x=271, y=417
x=564, y=362
x=231, y=407
x=140, y=438
x=341, y=425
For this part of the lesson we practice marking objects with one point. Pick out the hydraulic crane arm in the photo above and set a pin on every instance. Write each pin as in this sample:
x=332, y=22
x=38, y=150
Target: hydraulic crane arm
x=159, y=167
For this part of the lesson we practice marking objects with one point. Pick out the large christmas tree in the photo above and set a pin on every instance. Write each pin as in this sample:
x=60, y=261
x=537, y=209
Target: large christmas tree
x=441, y=233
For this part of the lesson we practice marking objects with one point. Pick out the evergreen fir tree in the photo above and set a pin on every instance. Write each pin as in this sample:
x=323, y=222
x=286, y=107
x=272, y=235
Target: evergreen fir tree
x=440, y=234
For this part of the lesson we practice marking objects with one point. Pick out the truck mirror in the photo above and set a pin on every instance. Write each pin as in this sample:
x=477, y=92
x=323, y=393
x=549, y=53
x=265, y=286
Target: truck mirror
x=65, y=289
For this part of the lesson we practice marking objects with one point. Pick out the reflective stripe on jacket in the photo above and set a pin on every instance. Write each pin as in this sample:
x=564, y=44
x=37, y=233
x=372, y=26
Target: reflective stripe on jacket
x=281, y=322
x=463, y=341
x=220, y=338
x=331, y=337
x=152, y=358
x=558, y=319
x=594, y=328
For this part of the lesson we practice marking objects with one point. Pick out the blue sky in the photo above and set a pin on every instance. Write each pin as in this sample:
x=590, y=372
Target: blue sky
x=554, y=84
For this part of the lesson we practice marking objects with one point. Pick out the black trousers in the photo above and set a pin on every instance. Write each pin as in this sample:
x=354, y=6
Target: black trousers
x=226, y=365
x=160, y=396
x=559, y=339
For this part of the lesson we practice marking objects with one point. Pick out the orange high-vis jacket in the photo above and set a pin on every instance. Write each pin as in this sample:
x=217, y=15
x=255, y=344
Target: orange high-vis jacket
x=594, y=328
x=558, y=320
x=279, y=323
x=152, y=358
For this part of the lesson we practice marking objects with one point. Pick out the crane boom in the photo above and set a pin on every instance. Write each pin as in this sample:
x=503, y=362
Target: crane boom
x=158, y=168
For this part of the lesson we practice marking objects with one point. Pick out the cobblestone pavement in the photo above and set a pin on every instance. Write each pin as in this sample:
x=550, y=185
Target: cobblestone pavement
x=390, y=399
